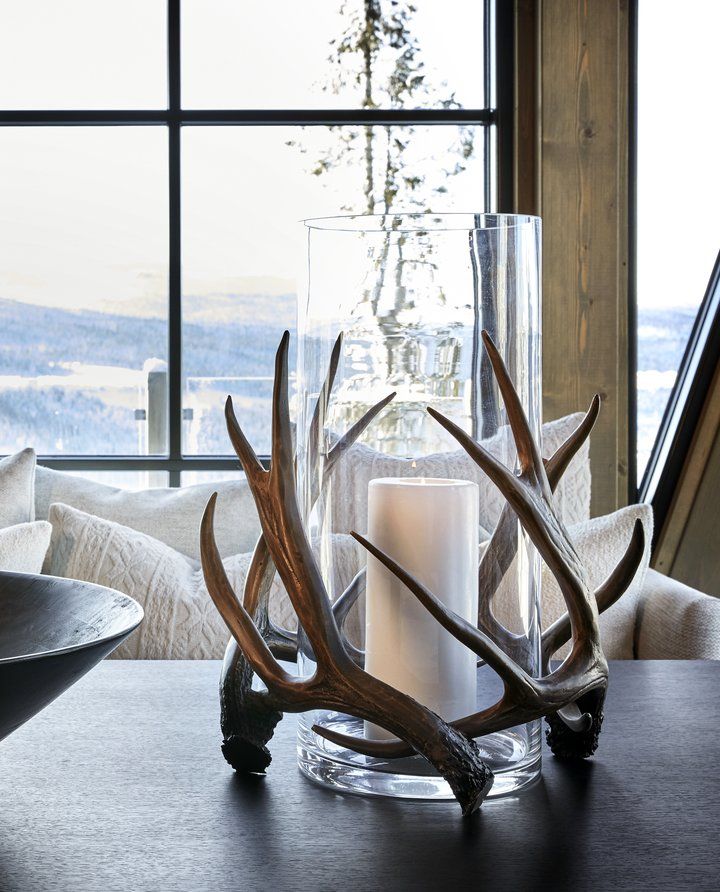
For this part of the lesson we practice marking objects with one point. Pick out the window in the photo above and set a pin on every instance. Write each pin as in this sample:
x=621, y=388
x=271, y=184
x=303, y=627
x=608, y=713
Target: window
x=678, y=197
x=150, y=246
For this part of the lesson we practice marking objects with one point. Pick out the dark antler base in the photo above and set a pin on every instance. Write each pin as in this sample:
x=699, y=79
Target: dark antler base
x=245, y=757
x=246, y=720
x=470, y=778
x=567, y=744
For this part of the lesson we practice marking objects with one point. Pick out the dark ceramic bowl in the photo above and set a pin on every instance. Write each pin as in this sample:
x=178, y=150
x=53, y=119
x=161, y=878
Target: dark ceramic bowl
x=53, y=631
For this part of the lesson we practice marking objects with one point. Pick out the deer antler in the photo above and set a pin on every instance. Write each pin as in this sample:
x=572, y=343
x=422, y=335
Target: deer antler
x=572, y=696
x=502, y=547
x=236, y=676
x=338, y=683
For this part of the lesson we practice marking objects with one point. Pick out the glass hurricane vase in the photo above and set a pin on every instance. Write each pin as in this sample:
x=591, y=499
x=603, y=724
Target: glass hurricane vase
x=411, y=295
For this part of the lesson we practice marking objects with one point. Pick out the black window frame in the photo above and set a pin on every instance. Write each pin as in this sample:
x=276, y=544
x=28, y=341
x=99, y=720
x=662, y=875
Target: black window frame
x=684, y=408
x=498, y=67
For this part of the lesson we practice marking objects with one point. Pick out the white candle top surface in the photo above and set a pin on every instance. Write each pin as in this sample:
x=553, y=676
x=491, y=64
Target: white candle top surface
x=420, y=481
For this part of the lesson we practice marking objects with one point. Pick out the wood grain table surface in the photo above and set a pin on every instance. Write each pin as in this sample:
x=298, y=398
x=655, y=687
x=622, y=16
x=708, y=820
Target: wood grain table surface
x=120, y=785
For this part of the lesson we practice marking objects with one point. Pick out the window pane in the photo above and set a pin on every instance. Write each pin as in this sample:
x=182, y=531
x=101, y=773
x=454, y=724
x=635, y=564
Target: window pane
x=83, y=287
x=60, y=54
x=678, y=192
x=312, y=54
x=245, y=191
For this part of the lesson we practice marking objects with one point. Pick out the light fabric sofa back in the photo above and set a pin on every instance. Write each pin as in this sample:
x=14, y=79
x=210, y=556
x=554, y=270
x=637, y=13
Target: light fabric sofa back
x=170, y=515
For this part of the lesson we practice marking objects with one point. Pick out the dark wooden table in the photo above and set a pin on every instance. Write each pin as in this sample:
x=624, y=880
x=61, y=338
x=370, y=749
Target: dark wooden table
x=120, y=785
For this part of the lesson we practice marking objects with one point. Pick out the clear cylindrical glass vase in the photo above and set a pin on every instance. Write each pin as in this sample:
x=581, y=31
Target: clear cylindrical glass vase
x=411, y=295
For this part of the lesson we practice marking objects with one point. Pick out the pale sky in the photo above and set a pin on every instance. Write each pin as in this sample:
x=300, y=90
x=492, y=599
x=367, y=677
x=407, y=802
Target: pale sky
x=83, y=210
x=678, y=150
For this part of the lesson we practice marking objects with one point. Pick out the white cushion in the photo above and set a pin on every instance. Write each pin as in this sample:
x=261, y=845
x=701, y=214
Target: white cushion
x=23, y=547
x=361, y=464
x=676, y=622
x=600, y=543
x=17, y=488
x=171, y=515
x=181, y=621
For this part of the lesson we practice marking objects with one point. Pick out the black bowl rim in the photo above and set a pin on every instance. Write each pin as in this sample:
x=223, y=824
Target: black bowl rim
x=83, y=645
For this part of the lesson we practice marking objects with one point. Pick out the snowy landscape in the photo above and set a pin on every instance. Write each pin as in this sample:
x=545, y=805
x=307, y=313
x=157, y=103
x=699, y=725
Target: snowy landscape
x=71, y=381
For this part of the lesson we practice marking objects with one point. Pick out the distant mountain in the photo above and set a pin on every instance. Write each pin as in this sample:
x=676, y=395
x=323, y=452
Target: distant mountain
x=233, y=336
x=221, y=309
x=264, y=298
x=226, y=335
x=663, y=336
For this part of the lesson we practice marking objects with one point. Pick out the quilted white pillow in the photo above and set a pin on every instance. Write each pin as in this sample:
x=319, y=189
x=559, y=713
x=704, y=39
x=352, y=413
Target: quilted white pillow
x=361, y=464
x=181, y=621
x=17, y=488
x=23, y=547
x=600, y=543
x=171, y=515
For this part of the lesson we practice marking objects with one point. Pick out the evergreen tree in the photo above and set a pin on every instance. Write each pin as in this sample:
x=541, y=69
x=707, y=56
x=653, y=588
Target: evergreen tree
x=378, y=54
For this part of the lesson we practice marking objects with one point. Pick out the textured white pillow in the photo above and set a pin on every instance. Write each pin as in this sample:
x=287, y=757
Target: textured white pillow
x=361, y=464
x=600, y=543
x=171, y=515
x=23, y=547
x=181, y=621
x=17, y=488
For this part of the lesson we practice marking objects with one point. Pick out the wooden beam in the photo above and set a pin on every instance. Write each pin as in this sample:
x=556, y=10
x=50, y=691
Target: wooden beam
x=583, y=131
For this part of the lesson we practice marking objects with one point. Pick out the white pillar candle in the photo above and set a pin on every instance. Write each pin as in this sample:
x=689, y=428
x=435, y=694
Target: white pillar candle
x=430, y=527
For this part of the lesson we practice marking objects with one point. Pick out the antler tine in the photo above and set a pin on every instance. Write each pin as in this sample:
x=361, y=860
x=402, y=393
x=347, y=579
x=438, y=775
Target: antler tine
x=355, y=432
x=502, y=547
x=236, y=618
x=342, y=445
x=321, y=406
x=320, y=411
x=514, y=678
x=256, y=601
x=259, y=576
x=494, y=563
x=501, y=476
x=527, y=450
x=283, y=529
x=260, y=572
x=557, y=464
x=340, y=609
x=282, y=464
x=606, y=595
x=344, y=604
x=251, y=464
x=621, y=577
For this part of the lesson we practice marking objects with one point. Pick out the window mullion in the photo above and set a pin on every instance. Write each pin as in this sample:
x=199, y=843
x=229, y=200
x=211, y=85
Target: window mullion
x=175, y=246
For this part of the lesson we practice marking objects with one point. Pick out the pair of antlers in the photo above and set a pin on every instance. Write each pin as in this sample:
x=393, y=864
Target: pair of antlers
x=571, y=696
